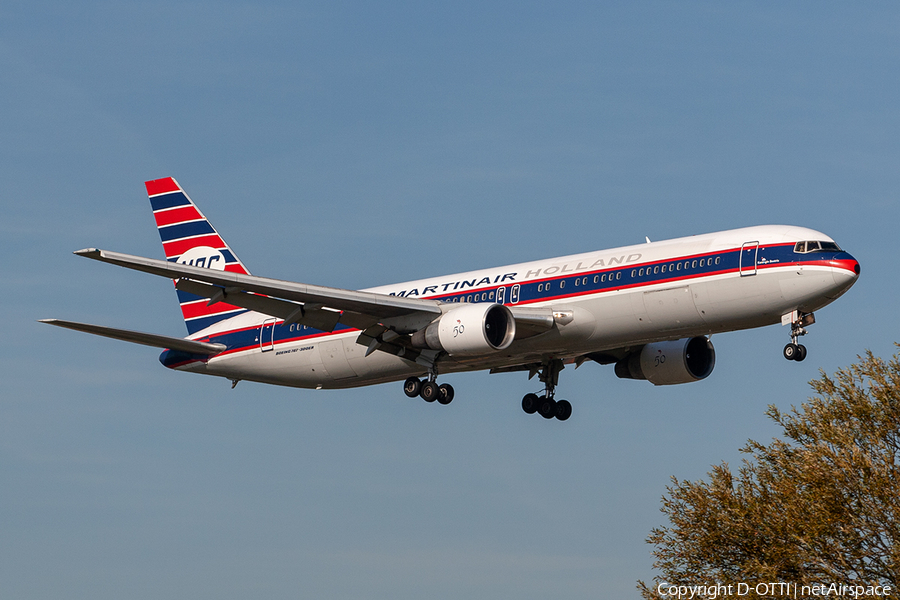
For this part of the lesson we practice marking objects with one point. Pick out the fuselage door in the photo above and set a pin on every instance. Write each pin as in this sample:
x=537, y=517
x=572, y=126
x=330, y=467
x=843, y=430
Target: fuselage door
x=501, y=295
x=749, y=252
x=267, y=335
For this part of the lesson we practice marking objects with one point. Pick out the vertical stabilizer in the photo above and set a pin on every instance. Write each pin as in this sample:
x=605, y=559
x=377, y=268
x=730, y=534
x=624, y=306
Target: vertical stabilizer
x=188, y=238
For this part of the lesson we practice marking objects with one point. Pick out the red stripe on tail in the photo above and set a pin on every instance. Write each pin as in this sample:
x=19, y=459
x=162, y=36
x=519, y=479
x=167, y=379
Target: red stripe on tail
x=161, y=186
x=177, y=215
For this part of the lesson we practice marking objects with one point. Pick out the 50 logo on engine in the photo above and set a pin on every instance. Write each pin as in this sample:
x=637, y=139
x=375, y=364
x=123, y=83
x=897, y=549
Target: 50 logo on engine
x=458, y=329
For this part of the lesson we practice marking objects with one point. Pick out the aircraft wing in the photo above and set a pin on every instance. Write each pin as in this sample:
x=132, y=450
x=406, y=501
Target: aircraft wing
x=321, y=307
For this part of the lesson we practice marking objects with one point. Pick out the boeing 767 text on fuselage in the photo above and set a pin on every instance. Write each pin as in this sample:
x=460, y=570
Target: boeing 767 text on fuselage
x=648, y=309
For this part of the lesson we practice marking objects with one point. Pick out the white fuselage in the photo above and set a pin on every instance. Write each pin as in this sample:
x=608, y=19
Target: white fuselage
x=602, y=301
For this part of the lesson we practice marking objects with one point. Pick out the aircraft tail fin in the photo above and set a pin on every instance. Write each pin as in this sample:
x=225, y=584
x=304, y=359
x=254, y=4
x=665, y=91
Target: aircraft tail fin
x=189, y=238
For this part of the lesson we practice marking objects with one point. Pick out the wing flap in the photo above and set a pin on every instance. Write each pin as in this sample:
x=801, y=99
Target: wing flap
x=138, y=337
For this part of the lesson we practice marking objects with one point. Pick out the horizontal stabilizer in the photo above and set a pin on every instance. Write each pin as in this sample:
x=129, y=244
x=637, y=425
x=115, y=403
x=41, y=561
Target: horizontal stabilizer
x=137, y=337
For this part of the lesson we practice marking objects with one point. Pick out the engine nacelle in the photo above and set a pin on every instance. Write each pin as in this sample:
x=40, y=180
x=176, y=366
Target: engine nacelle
x=470, y=330
x=667, y=363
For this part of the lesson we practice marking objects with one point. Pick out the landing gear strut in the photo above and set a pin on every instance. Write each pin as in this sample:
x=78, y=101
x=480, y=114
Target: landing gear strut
x=799, y=321
x=547, y=406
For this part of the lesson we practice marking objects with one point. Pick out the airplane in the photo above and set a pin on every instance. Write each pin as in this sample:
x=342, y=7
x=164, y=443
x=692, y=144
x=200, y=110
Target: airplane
x=647, y=309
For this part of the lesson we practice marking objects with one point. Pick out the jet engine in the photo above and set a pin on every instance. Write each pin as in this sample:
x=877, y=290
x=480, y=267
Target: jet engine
x=470, y=330
x=667, y=363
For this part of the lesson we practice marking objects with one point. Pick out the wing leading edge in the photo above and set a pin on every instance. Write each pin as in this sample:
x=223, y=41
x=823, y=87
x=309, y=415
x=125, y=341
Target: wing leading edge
x=320, y=307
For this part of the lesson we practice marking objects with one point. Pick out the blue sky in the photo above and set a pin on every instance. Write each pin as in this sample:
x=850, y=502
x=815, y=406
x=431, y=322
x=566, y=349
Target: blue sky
x=357, y=144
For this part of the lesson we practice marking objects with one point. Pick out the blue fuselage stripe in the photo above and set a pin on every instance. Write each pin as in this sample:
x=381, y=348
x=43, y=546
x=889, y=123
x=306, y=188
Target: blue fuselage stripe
x=556, y=288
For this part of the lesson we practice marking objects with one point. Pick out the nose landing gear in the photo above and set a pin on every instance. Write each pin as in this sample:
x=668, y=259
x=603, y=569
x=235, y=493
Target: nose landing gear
x=547, y=406
x=799, y=321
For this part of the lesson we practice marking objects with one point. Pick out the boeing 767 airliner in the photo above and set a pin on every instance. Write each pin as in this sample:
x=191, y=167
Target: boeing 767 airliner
x=648, y=309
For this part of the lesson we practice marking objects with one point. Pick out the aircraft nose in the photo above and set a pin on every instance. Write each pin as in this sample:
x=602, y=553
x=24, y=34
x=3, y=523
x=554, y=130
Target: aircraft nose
x=845, y=270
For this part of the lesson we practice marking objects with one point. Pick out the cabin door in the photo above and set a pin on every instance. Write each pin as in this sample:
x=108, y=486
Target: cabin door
x=749, y=253
x=267, y=335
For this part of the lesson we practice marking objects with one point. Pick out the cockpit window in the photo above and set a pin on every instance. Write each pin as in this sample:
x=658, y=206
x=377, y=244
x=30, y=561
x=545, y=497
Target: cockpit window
x=813, y=246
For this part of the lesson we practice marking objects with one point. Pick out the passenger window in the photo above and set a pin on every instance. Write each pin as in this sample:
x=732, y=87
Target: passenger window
x=540, y=287
x=656, y=269
x=702, y=260
x=576, y=282
x=718, y=258
x=633, y=271
x=484, y=295
x=468, y=298
x=664, y=268
x=584, y=281
x=694, y=264
x=678, y=266
x=491, y=296
x=641, y=272
x=603, y=278
x=619, y=275
x=562, y=284
x=596, y=279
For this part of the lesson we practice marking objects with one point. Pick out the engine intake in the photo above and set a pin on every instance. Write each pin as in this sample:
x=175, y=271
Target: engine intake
x=470, y=330
x=668, y=363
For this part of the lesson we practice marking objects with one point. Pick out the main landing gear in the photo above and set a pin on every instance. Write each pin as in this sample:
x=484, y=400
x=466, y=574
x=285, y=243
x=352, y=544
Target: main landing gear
x=546, y=405
x=799, y=321
x=428, y=389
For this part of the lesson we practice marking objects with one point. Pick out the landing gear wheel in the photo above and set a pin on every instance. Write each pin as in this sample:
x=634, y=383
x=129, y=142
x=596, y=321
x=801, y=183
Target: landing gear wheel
x=801, y=353
x=446, y=393
x=530, y=403
x=429, y=391
x=791, y=351
x=563, y=410
x=547, y=408
x=412, y=387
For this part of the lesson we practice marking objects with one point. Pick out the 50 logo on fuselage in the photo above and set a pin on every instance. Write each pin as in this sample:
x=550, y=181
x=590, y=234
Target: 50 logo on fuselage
x=203, y=256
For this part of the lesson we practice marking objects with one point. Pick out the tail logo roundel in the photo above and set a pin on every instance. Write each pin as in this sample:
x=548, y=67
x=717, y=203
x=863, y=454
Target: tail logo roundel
x=203, y=256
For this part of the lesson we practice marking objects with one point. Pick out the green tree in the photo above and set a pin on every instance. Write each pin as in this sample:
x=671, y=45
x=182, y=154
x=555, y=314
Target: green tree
x=820, y=506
